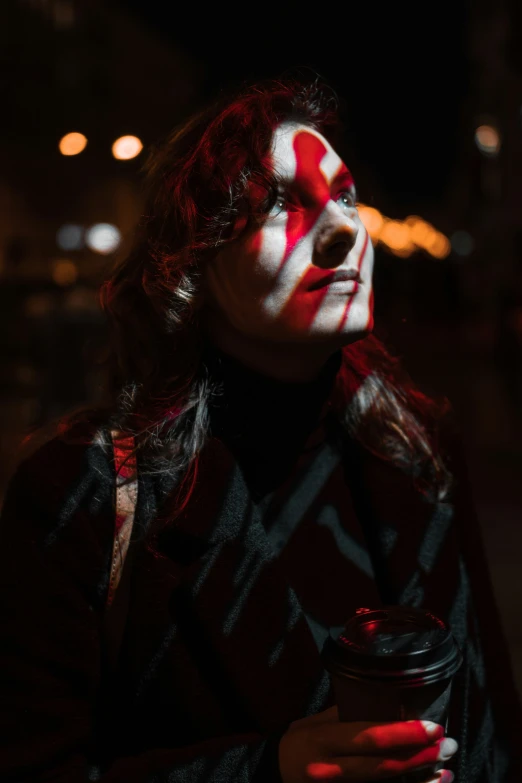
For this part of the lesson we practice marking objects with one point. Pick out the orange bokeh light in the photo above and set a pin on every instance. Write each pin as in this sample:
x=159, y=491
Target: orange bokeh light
x=127, y=147
x=396, y=235
x=402, y=237
x=72, y=143
x=372, y=220
x=421, y=232
x=64, y=272
x=439, y=246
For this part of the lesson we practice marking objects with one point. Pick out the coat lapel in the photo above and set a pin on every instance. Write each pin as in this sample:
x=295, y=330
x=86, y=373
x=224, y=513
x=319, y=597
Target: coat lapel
x=235, y=605
x=412, y=541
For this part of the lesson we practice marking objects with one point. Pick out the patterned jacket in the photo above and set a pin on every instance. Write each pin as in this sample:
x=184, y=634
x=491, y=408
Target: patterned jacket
x=222, y=639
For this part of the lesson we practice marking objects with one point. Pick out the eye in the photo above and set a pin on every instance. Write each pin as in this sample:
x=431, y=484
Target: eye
x=347, y=198
x=282, y=204
x=277, y=207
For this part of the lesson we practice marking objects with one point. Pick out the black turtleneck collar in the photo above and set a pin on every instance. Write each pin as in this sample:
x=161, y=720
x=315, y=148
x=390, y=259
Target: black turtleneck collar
x=265, y=422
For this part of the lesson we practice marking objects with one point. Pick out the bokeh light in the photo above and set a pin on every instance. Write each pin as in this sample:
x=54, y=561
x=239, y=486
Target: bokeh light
x=372, y=220
x=64, y=272
x=402, y=237
x=462, y=243
x=127, y=147
x=487, y=139
x=396, y=235
x=439, y=245
x=39, y=305
x=103, y=238
x=421, y=232
x=72, y=143
x=70, y=237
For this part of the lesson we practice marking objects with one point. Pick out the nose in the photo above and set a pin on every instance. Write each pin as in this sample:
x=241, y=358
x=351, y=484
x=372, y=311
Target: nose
x=337, y=237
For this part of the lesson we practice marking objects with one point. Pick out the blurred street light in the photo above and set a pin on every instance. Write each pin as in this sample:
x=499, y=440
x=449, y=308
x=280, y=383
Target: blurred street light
x=439, y=245
x=127, y=147
x=402, y=236
x=72, y=143
x=421, y=232
x=70, y=237
x=65, y=272
x=396, y=235
x=487, y=139
x=462, y=243
x=103, y=238
x=372, y=220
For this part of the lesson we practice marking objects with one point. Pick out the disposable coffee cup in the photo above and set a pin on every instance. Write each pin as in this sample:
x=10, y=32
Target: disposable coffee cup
x=393, y=664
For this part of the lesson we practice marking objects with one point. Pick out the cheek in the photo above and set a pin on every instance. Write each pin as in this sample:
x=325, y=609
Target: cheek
x=233, y=278
x=365, y=262
x=268, y=258
x=368, y=261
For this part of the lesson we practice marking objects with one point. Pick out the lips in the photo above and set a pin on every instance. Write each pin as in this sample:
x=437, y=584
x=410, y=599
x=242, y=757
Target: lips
x=319, y=279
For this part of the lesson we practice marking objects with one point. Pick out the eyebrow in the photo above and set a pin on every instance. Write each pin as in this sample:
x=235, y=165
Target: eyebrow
x=343, y=175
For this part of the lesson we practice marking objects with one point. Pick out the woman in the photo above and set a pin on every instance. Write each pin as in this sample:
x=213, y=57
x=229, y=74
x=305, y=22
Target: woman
x=288, y=473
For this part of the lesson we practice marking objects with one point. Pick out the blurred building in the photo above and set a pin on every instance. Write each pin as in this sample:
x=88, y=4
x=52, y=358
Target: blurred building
x=485, y=203
x=72, y=67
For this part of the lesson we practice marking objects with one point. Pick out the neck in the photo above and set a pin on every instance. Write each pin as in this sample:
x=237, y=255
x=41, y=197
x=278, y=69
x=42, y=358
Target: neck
x=282, y=361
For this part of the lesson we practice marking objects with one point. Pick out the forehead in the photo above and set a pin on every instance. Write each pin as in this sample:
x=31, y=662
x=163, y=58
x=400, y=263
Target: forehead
x=292, y=141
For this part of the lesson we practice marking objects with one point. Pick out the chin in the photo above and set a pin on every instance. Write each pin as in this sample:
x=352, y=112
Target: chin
x=358, y=325
x=358, y=330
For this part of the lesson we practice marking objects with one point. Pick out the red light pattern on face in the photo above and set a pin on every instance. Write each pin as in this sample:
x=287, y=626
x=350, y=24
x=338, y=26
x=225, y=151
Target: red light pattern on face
x=350, y=300
x=275, y=282
x=309, y=152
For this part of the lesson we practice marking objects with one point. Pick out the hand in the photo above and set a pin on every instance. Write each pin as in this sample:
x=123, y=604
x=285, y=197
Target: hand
x=320, y=747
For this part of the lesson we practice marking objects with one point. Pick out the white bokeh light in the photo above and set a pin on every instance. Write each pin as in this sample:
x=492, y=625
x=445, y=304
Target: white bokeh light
x=127, y=147
x=70, y=237
x=103, y=238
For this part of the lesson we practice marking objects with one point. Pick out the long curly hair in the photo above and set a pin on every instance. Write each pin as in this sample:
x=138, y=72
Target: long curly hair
x=197, y=184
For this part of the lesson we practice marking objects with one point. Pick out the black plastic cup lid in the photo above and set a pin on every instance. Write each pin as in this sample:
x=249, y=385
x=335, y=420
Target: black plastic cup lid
x=398, y=644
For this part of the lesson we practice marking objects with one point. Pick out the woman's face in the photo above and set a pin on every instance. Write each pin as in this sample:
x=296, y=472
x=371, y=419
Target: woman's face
x=275, y=282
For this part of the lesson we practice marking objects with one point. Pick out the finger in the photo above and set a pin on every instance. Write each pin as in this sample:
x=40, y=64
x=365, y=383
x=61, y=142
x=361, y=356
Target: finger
x=325, y=772
x=362, y=768
x=375, y=738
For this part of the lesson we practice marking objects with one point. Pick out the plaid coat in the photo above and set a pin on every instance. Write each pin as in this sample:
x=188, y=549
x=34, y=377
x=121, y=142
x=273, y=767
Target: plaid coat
x=222, y=639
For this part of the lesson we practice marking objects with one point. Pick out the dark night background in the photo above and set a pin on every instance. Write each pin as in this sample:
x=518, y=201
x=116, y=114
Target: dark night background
x=416, y=82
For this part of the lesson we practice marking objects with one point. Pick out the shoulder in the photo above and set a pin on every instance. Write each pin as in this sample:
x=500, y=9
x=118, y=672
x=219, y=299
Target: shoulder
x=57, y=520
x=82, y=453
x=65, y=482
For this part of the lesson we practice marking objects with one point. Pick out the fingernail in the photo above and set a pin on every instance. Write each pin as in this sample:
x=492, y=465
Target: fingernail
x=433, y=729
x=447, y=777
x=447, y=748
